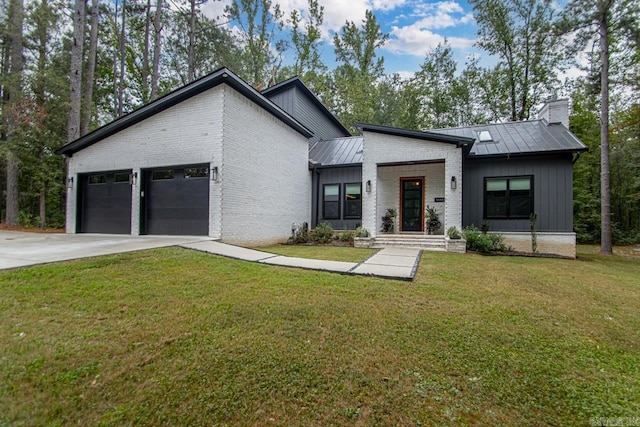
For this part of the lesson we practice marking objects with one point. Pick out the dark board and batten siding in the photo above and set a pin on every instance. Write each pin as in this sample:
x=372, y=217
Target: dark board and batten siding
x=337, y=175
x=298, y=105
x=552, y=187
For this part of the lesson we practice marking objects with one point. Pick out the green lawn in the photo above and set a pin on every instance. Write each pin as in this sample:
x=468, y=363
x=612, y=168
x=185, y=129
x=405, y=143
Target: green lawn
x=179, y=337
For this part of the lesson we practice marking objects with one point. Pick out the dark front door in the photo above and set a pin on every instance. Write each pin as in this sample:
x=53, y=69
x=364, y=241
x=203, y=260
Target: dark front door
x=104, y=202
x=176, y=201
x=412, y=204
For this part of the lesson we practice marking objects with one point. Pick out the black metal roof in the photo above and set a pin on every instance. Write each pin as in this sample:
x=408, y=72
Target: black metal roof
x=295, y=81
x=196, y=87
x=459, y=140
x=514, y=138
x=337, y=151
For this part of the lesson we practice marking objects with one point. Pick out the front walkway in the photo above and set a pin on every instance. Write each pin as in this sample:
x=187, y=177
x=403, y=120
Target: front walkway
x=393, y=263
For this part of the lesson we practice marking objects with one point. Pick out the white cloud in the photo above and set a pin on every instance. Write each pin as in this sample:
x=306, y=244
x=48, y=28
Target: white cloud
x=214, y=9
x=420, y=36
x=417, y=41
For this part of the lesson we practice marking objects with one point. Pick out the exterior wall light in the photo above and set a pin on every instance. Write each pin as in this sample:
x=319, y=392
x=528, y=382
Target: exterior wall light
x=70, y=182
x=134, y=178
x=454, y=183
x=214, y=174
x=368, y=186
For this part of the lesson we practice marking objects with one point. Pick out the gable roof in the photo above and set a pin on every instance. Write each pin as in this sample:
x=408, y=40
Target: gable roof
x=337, y=151
x=299, y=84
x=459, y=140
x=196, y=87
x=515, y=138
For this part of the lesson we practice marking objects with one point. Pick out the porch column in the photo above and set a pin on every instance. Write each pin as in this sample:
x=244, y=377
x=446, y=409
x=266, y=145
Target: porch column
x=453, y=197
x=369, y=198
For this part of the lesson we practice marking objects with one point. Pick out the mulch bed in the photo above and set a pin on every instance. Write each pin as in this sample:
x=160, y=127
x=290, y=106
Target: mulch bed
x=30, y=230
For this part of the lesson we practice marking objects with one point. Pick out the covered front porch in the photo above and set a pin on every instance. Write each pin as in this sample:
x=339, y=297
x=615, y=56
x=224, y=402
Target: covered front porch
x=409, y=172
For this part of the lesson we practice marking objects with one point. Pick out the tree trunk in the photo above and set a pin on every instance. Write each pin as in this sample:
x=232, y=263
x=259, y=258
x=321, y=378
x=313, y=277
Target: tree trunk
x=157, y=39
x=606, y=247
x=91, y=69
x=122, y=61
x=75, y=75
x=11, y=94
x=43, y=206
x=145, y=55
x=192, y=37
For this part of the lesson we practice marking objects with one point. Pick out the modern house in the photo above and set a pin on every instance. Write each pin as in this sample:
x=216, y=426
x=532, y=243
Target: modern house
x=218, y=158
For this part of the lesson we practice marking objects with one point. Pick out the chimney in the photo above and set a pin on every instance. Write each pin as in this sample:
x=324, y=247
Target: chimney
x=555, y=111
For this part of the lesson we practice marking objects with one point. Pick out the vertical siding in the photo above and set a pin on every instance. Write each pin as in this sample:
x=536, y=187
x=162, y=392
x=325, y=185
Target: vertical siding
x=341, y=175
x=303, y=109
x=552, y=186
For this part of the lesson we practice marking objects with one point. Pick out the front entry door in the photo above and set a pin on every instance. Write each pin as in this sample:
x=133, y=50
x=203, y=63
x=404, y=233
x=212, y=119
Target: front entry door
x=412, y=204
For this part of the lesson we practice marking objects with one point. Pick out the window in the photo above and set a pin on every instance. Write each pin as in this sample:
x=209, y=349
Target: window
x=484, y=136
x=97, y=179
x=508, y=197
x=162, y=174
x=353, y=201
x=195, y=172
x=331, y=201
x=122, y=177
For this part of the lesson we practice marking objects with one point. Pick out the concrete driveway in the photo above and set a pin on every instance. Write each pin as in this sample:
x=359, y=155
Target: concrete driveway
x=19, y=249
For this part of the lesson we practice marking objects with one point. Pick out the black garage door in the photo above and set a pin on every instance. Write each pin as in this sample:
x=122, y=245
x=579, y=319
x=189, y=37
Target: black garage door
x=176, y=201
x=104, y=203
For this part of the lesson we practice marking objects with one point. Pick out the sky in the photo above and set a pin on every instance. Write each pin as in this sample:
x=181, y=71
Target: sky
x=414, y=28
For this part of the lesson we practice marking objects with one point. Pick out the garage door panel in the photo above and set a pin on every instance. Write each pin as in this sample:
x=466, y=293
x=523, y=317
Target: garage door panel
x=177, y=201
x=105, y=203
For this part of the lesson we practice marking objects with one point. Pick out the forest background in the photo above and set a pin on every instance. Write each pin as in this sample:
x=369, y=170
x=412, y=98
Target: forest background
x=68, y=68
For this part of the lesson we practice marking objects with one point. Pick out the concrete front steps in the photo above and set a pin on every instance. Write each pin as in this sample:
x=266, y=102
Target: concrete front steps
x=418, y=241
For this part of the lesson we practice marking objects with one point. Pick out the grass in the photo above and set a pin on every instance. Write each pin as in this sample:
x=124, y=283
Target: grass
x=173, y=336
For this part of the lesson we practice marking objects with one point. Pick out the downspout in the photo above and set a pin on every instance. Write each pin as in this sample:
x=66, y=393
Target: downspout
x=316, y=173
x=576, y=156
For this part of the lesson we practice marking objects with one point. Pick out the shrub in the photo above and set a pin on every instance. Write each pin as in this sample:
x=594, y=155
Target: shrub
x=433, y=220
x=388, y=221
x=323, y=233
x=454, y=233
x=347, y=236
x=482, y=242
x=362, y=232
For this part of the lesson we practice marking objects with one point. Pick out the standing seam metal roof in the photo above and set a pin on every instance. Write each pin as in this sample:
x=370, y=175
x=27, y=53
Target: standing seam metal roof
x=337, y=151
x=512, y=138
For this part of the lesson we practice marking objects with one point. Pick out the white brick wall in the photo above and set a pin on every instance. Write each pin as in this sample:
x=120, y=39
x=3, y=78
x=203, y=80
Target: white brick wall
x=563, y=244
x=265, y=175
x=381, y=149
x=264, y=183
x=188, y=133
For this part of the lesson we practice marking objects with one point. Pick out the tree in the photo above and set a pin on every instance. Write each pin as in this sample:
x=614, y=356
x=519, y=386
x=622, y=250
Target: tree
x=355, y=80
x=606, y=22
x=262, y=56
x=520, y=33
x=11, y=90
x=75, y=73
x=306, y=37
x=87, y=96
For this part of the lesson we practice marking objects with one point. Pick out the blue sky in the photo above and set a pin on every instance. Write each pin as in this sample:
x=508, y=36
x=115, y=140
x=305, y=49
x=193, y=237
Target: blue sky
x=414, y=27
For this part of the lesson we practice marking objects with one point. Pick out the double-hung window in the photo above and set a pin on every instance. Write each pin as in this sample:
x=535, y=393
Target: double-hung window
x=353, y=201
x=508, y=198
x=331, y=201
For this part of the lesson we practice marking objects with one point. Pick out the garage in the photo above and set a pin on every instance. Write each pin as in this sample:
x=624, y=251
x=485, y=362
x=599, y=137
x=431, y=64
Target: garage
x=175, y=200
x=104, y=203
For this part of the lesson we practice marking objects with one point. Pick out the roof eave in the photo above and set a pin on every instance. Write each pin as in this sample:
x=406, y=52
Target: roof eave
x=459, y=141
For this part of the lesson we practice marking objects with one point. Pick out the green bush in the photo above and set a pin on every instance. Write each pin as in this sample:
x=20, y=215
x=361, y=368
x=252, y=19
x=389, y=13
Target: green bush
x=323, y=233
x=362, y=232
x=347, y=236
x=454, y=233
x=482, y=242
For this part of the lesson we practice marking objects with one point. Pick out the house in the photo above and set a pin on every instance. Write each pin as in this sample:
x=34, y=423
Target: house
x=218, y=158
